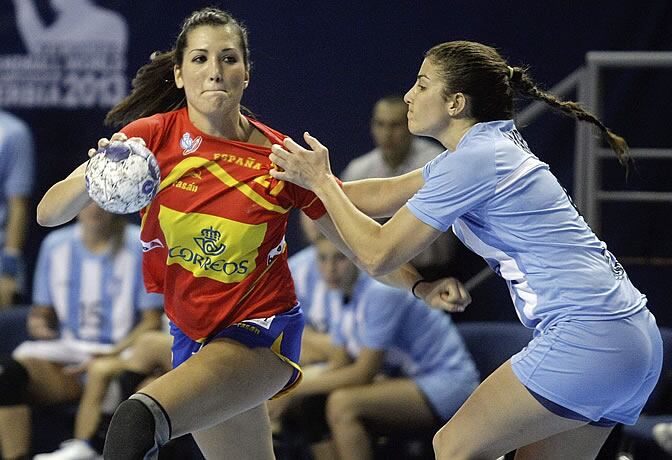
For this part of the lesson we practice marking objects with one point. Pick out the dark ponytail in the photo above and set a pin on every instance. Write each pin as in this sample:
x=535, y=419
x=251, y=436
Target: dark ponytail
x=521, y=82
x=154, y=91
x=482, y=74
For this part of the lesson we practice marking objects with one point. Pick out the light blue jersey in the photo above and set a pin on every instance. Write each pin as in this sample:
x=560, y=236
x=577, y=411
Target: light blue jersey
x=97, y=297
x=419, y=343
x=310, y=290
x=417, y=339
x=16, y=163
x=505, y=205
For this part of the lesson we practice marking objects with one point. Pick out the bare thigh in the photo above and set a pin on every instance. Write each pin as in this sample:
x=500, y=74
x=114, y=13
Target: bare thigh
x=247, y=435
x=387, y=404
x=49, y=383
x=500, y=416
x=222, y=380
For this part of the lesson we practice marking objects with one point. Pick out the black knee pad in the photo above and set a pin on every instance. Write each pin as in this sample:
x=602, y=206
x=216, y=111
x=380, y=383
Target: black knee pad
x=138, y=428
x=13, y=383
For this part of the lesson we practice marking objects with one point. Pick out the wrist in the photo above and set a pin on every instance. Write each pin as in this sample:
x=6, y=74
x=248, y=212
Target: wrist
x=327, y=183
x=415, y=288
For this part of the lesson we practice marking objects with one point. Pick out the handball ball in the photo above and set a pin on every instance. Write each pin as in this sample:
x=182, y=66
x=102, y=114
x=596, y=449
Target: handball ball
x=123, y=177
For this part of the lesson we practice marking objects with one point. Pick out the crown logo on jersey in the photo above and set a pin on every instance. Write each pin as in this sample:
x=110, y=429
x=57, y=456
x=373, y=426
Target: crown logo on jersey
x=188, y=144
x=208, y=242
x=211, y=234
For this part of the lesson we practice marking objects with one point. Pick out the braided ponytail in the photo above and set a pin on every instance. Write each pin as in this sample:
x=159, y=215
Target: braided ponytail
x=481, y=73
x=523, y=83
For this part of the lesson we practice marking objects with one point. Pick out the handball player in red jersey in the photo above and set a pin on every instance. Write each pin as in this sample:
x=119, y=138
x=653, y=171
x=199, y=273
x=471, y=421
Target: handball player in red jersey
x=214, y=245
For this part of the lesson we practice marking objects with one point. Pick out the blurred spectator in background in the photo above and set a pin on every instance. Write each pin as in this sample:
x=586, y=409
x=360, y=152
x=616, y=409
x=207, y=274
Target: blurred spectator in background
x=396, y=364
x=16, y=174
x=398, y=152
x=88, y=300
x=316, y=346
x=662, y=433
x=147, y=358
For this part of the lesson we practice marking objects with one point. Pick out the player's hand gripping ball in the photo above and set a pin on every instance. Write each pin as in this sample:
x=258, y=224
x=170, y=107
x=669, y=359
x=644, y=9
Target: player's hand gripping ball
x=123, y=177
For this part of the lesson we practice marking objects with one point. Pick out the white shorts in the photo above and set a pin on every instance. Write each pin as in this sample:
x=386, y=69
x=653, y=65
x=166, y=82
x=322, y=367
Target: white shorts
x=60, y=350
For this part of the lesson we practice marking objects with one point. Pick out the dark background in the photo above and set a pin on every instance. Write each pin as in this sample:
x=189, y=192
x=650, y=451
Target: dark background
x=320, y=66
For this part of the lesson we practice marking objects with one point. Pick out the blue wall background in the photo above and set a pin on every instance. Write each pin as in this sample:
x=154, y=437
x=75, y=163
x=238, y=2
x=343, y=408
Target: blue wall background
x=319, y=66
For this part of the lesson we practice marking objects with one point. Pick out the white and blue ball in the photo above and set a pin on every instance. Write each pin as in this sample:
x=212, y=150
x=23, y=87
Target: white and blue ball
x=123, y=177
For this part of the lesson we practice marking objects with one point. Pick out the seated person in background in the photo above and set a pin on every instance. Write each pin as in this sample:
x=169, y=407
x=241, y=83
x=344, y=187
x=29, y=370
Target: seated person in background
x=148, y=358
x=16, y=177
x=398, y=152
x=316, y=345
x=88, y=300
x=377, y=330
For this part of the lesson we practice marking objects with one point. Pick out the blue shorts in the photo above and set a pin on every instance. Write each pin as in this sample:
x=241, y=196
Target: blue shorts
x=281, y=333
x=447, y=389
x=596, y=371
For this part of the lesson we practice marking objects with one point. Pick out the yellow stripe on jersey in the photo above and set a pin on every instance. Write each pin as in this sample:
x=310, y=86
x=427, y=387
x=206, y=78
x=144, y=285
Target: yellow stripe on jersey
x=209, y=246
x=195, y=162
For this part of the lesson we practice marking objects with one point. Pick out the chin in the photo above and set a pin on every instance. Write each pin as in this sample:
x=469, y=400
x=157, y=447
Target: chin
x=413, y=130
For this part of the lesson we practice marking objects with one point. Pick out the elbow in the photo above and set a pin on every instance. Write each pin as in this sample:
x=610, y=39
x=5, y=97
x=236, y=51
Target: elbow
x=43, y=217
x=46, y=218
x=378, y=265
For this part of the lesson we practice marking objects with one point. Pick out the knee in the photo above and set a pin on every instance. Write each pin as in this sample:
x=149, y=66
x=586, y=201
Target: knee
x=342, y=407
x=444, y=445
x=448, y=444
x=100, y=369
x=14, y=381
x=138, y=428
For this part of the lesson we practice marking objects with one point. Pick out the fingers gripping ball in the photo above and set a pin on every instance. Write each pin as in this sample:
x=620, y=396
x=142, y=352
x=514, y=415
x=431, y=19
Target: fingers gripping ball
x=123, y=177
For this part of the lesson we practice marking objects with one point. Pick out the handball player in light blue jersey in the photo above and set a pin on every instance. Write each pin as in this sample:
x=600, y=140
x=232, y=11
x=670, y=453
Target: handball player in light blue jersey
x=596, y=353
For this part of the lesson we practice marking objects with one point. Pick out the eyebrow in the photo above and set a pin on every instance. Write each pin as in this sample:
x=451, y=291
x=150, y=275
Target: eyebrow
x=423, y=76
x=203, y=50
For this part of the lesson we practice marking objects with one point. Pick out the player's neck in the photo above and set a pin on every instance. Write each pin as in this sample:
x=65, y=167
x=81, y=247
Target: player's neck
x=233, y=126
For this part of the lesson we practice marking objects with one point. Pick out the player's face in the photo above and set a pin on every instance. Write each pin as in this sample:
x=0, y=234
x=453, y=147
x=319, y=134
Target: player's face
x=213, y=72
x=427, y=105
x=336, y=269
x=389, y=128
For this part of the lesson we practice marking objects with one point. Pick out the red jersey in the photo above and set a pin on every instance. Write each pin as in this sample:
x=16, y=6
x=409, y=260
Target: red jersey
x=214, y=236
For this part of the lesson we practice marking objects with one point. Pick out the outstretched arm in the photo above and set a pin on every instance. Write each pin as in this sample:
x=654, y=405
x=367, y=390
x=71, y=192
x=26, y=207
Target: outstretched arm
x=65, y=199
x=382, y=197
x=382, y=251
x=446, y=293
x=377, y=248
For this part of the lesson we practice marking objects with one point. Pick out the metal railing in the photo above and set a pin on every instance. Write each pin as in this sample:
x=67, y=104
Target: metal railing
x=588, y=193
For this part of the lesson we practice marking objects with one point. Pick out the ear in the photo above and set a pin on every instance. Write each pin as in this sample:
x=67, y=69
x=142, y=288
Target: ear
x=246, y=82
x=177, y=74
x=456, y=104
